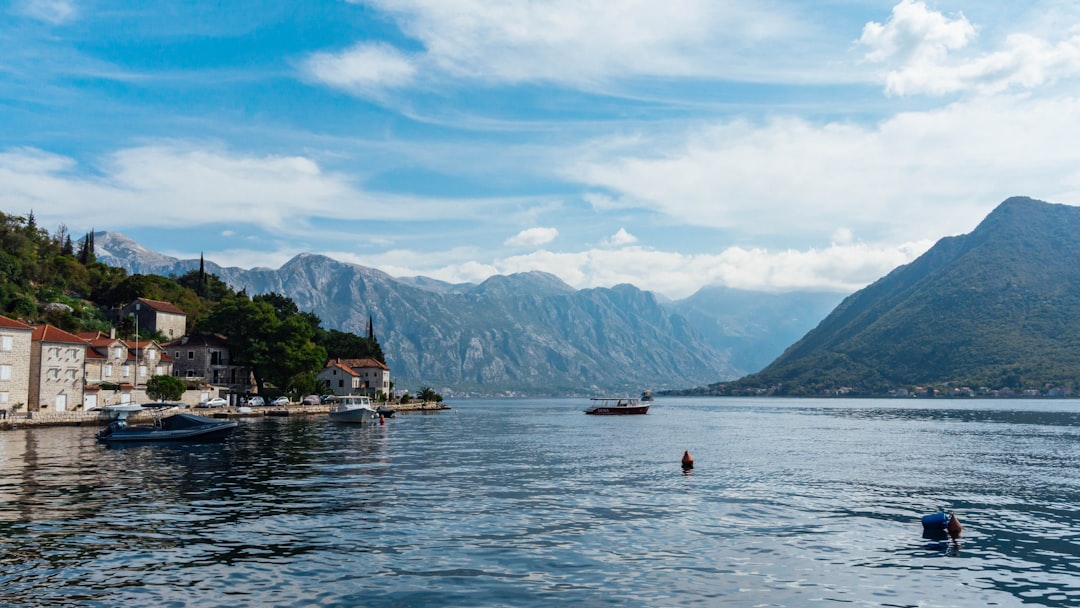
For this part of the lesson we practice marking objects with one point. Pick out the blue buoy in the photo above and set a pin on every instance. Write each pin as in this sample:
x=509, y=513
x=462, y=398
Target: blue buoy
x=936, y=520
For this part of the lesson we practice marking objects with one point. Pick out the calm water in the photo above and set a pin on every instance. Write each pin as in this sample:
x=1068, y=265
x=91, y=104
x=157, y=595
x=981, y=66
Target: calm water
x=527, y=503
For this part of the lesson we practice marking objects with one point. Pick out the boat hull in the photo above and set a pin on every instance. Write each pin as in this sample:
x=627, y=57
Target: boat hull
x=618, y=410
x=181, y=427
x=355, y=415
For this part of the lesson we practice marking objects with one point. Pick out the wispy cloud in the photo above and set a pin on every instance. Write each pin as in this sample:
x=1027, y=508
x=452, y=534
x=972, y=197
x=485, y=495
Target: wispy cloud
x=50, y=11
x=193, y=183
x=531, y=237
x=363, y=68
x=573, y=42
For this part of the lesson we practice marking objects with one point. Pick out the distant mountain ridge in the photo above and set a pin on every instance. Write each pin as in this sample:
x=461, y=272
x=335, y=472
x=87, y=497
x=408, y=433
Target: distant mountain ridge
x=994, y=309
x=527, y=332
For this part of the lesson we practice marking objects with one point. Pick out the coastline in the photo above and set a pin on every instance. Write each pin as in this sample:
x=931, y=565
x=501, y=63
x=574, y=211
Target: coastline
x=10, y=420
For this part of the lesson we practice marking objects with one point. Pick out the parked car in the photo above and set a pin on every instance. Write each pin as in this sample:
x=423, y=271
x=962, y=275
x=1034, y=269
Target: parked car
x=256, y=400
x=282, y=400
x=311, y=400
x=215, y=402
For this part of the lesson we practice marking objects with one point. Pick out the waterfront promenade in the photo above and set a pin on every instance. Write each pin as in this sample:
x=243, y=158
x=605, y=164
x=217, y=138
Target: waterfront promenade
x=22, y=419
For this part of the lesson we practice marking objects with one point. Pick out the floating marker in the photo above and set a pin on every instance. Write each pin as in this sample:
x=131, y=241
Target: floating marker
x=687, y=460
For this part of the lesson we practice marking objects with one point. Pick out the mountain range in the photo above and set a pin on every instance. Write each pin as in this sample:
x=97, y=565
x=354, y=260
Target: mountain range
x=526, y=333
x=990, y=311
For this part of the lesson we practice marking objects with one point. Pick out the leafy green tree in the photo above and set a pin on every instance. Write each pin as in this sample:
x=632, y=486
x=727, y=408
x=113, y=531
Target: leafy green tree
x=165, y=388
x=345, y=345
x=276, y=349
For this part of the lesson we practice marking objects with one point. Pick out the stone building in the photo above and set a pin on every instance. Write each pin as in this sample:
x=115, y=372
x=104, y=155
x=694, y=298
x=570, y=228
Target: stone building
x=356, y=376
x=205, y=357
x=155, y=315
x=57, y=366
x=15, y=340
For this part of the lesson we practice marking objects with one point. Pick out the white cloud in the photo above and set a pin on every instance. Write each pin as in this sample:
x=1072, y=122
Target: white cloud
x=532, y=237
x=620, y=238
x=841, y=268
x=51, y=11
x=186, y=183
x=585, y=42
x=362, y=68
x=922, y=45
x=931, y=173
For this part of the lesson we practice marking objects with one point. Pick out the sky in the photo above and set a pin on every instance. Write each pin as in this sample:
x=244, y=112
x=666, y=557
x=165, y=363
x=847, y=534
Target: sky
x=757, y=144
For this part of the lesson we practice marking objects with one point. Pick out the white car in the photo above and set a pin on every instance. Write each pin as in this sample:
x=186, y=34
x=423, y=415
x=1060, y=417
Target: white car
x=256, y=400
x=215, y=402
x=282, y=400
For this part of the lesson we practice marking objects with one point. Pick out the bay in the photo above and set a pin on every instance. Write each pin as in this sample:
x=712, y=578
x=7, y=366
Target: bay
x=531, y=502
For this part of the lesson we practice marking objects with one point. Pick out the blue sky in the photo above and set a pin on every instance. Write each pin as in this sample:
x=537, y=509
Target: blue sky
x=764, y=144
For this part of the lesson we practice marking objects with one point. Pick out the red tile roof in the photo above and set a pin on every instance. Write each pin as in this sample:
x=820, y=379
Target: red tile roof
x=160, y=306
x=48, y=333
x=355, y=363
x=12, y=323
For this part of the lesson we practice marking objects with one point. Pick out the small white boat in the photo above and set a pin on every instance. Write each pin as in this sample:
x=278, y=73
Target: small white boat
x=353, y=408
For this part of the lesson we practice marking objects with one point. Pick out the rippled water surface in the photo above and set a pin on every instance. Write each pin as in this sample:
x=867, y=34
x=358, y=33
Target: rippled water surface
x=527, y=503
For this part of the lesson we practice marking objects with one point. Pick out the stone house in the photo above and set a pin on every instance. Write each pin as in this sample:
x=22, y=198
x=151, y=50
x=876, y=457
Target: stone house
x=155, y=315
x=205, y=357
x=15, y=340
x=356, y=376
x=57, y=365
x=124, y=367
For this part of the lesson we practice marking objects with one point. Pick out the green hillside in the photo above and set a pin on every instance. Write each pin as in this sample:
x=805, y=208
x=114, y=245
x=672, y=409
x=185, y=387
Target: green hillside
x=996, y=309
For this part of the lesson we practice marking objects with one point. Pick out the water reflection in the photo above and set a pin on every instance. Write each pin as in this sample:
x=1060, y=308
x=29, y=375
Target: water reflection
x=525, y=504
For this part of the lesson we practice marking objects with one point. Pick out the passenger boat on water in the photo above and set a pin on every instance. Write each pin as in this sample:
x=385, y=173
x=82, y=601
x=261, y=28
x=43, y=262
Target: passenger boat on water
x=615, y=406
x=353, y=408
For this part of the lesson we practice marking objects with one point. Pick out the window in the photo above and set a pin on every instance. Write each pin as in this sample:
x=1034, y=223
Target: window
x=7, y=342
x=5, y=372
x=54, y=374
x=108, y=371
x=142, y=371
x=70, y=374
x=54, y=352
x=190, y=354
x=125, y=371
x=3, y=396
x=73, y=353
x=118, y=353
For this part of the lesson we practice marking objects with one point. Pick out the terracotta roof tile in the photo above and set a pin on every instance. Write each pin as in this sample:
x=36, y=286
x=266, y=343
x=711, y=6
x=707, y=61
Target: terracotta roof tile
x=160, y=306
x=48, y=333
x=13, y=324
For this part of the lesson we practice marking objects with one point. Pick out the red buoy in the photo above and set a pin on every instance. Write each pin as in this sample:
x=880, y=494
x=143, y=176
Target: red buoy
x=687, y=460
x=954, y=527
x=382, y=420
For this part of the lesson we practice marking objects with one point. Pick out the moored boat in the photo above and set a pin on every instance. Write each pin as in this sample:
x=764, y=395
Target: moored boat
x=646, y=395
x=178, y=427
x=615, y=406
x=353, y=408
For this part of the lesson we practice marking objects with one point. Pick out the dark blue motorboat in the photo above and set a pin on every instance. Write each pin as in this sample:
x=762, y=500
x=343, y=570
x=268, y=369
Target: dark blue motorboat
x=178, y=427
